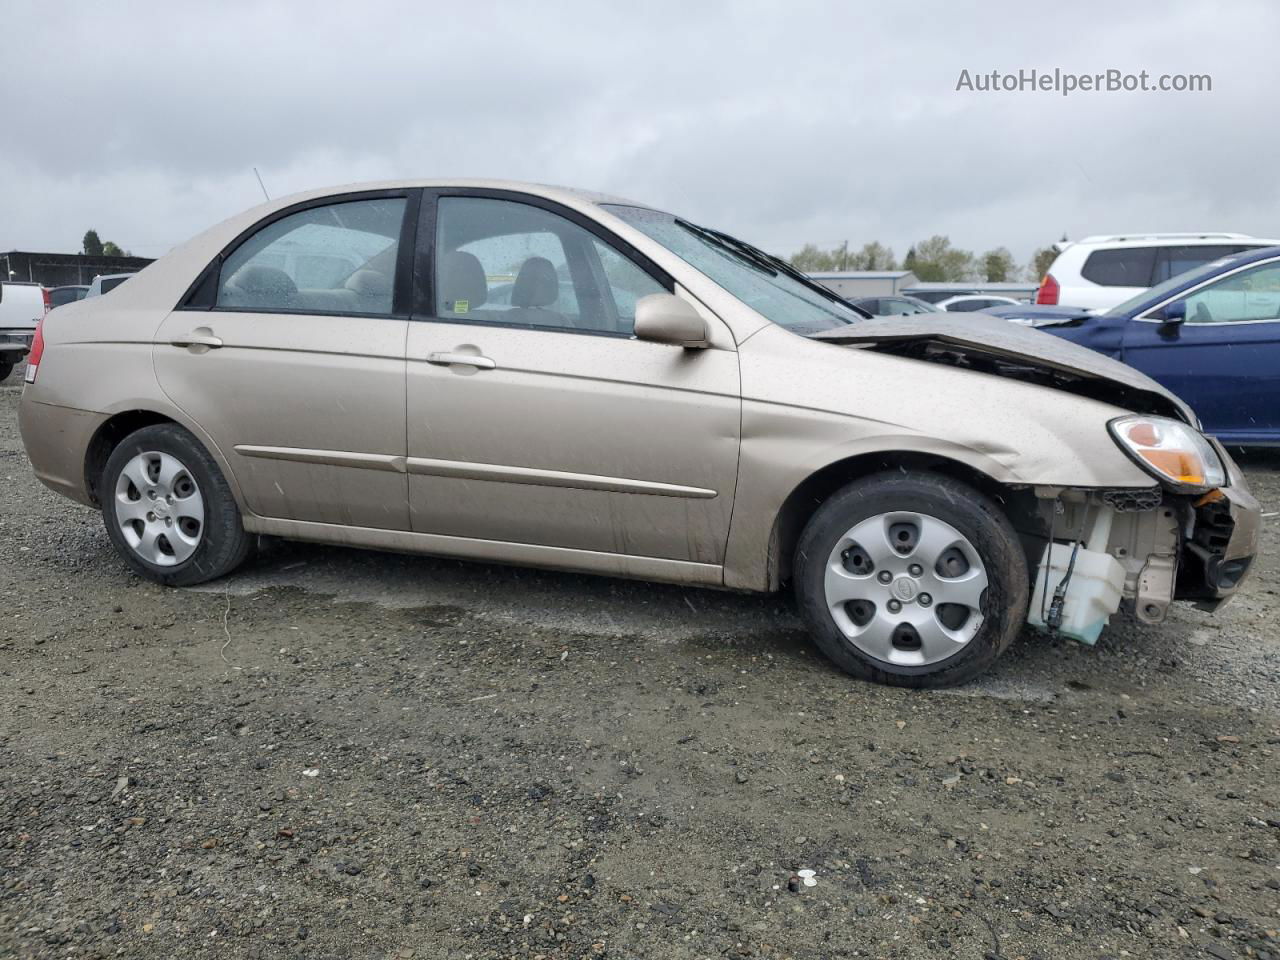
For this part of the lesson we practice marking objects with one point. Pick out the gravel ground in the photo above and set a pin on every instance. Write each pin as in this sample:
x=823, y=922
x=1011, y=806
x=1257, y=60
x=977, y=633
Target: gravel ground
x=345, y=754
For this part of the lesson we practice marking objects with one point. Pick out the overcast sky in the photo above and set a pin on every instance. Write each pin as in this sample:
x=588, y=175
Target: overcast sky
x=783, y=123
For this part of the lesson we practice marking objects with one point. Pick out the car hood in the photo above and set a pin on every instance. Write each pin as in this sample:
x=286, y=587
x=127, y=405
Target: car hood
x=997, y=347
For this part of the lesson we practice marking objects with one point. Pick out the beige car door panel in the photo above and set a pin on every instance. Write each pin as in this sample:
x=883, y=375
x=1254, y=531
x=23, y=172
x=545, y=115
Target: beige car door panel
x=572, y=440
x=289, y=352
x=308, y=410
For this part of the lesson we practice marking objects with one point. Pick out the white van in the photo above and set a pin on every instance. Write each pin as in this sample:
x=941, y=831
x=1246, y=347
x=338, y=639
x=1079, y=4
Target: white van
x=22, y=305
x=1097, y=273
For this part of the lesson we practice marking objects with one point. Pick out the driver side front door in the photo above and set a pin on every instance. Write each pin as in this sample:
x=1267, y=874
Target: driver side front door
x=1224, y=359
x=539, y=427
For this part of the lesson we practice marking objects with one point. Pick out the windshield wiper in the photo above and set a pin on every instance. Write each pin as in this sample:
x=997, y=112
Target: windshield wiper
x=724, y=241
x=766, y=262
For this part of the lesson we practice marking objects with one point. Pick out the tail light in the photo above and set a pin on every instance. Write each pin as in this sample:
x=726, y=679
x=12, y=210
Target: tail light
x=48, y=300
x=36, y=352
x=1048, y=292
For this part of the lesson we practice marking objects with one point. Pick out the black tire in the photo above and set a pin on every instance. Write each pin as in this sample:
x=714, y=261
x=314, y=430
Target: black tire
x=224, y=544
x=6, y=368
x=1003, y=605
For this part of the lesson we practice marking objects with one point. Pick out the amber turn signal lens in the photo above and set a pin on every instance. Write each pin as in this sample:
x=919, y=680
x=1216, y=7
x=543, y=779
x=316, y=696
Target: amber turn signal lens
x=1171, y=450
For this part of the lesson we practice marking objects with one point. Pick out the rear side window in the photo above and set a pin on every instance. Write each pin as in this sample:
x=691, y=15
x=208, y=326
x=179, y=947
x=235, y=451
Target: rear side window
x=1131, y=267
x=893, y=307
x=970, y=306
x=339, y=258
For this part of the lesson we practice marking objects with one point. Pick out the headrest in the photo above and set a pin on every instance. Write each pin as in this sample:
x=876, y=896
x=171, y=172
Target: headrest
x=536, y=284
x=461, y=279
x=266, y=283
x=369, y=283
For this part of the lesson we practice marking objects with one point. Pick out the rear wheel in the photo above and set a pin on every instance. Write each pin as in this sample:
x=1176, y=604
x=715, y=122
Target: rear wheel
x=6, y=368
x=911, y=579
x=169, y=510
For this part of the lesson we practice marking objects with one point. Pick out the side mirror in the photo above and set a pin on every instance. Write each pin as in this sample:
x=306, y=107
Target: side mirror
x=665, y=318
x=1175, y=312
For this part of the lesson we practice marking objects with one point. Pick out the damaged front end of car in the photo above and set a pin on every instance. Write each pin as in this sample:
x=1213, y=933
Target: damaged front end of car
x=1191, y=535
x=1098, y=551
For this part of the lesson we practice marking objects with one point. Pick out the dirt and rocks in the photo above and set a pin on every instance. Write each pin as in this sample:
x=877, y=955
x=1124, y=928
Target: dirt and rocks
x=344, y=754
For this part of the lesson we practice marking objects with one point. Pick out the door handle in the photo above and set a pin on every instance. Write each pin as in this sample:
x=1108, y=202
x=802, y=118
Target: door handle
x=197, y=340
x=446, y=359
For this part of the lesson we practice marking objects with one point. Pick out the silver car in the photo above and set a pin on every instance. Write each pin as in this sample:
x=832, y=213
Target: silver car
x=651, y=398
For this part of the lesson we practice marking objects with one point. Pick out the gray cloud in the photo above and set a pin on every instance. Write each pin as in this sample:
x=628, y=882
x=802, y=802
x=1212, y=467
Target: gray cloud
x=782, y=122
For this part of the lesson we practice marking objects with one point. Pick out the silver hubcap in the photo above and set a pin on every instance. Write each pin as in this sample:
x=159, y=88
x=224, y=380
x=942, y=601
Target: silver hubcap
x=159, y=508
x=906, y=588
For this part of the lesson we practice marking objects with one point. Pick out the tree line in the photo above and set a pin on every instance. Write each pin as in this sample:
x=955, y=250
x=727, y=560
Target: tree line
x=94, y=246
x=934, y=260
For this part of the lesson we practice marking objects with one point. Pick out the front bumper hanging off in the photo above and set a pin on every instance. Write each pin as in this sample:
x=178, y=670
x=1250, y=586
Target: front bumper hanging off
x=1142, y=548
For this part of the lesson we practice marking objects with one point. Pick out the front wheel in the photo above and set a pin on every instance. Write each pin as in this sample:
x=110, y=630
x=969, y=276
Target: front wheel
x=169, y=510
x=911, y=579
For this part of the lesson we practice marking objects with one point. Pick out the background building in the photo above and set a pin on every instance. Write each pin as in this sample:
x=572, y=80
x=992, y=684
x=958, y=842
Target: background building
x=57, y=269
x=866, y=283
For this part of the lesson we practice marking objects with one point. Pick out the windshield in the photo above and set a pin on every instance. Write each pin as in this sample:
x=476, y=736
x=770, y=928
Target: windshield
x=1160, y=290
x=766, y=284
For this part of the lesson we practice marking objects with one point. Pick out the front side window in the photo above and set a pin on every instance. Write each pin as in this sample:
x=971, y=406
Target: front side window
x=1248, y=295
x=1175, y=260
x=338, y=258
x=500, y=261
x=765, y=285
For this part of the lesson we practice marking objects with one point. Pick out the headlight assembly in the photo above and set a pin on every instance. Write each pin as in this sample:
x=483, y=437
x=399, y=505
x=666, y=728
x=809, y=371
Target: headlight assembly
x=1171, y=451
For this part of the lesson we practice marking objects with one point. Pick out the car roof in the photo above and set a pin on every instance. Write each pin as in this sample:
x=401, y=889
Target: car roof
x=550, y=191
x=1124, y=240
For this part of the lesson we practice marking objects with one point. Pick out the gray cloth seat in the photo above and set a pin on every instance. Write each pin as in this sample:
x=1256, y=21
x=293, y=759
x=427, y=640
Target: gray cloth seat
x=536, y=289
x=258, y=286
x=462, y=287
x=372, y=290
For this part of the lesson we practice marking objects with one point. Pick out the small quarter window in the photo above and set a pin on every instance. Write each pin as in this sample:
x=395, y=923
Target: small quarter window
x=339, y=258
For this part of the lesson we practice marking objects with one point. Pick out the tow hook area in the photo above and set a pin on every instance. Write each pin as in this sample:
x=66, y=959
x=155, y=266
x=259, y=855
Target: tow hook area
x=1103, y=549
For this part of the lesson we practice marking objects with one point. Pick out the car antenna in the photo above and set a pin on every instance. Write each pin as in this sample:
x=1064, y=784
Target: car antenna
x=261, y=184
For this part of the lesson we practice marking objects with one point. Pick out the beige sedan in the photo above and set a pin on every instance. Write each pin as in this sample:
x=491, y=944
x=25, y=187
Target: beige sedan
x=532, y=375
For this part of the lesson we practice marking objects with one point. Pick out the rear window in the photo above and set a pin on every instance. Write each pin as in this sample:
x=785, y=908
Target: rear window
x=1130, y=267
x=932, y=296
x=64, y=295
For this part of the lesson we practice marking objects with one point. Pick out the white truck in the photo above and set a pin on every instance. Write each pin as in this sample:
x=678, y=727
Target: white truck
x=22, y=306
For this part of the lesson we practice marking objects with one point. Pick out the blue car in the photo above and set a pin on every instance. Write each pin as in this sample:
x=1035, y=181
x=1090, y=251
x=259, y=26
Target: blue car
x=1210, y=335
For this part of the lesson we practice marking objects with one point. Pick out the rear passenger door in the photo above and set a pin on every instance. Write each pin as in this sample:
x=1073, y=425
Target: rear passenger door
x=289, y=353
x=536, y=418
